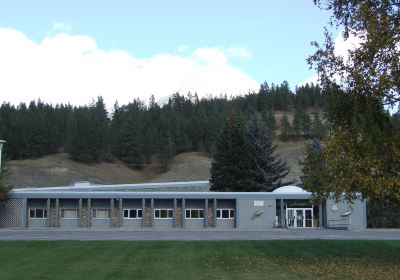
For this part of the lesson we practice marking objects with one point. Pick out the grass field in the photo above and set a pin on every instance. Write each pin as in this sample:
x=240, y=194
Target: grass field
x=200, y=260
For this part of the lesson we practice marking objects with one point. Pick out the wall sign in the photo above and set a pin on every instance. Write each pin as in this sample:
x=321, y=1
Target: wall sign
x=258, y=203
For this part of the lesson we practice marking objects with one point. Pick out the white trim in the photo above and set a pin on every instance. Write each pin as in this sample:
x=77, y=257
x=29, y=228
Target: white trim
x=77, y=213
x=194, y=209
x=38, y=208
x=168, y=211
x=229, y=212
x=96, y=209
x=137, y=213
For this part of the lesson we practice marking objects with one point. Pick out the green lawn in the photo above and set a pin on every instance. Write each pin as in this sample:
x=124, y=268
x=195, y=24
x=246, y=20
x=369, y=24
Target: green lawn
x=200, y=260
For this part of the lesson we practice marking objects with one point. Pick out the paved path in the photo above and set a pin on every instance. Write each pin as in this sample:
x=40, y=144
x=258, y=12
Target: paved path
x=186, y=234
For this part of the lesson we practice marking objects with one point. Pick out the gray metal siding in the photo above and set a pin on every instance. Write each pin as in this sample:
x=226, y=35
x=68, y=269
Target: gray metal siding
x=357, y=216
x=246, y=214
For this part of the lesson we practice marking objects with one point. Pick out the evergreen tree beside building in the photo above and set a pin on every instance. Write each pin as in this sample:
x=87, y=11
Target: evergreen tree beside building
x=267, y=170
x=231, y=164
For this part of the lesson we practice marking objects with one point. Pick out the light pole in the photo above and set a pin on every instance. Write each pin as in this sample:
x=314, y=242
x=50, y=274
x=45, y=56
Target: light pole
x=1, y=147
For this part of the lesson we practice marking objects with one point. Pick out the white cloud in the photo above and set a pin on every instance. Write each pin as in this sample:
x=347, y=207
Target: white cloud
x=239, y=52
x=183, y=48
x=342, y=48
x=65, y=68
x=61, y=26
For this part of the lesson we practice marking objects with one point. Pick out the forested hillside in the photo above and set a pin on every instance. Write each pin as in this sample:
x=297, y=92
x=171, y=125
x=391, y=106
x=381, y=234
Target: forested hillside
x=140, y=133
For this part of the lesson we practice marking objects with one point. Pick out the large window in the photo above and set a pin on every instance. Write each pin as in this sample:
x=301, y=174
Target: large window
x=225, y=213
x=69, y=213
x=132, y=213
x=38, y=213
x=194, y=214
x=99, y=213
x=163, y=213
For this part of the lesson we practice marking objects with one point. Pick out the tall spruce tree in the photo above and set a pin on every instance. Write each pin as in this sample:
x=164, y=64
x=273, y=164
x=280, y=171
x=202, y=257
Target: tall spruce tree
x=312, y=166
x=267, y=170
x=231, y=164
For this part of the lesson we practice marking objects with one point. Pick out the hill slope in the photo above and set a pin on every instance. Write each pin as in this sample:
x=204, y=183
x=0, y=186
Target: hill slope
x=59, y=170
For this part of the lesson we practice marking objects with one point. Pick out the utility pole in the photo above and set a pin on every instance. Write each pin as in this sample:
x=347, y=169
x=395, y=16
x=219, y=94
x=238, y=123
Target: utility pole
x=1, y=147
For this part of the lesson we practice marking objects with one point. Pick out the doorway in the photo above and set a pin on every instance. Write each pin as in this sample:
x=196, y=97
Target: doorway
x=299, y=217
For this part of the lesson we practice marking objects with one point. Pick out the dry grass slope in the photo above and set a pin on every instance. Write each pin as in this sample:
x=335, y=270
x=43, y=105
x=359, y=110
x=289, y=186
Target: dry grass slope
x=59, y=170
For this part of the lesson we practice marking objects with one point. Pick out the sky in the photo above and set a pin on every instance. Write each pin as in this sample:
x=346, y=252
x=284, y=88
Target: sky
x=73, y=51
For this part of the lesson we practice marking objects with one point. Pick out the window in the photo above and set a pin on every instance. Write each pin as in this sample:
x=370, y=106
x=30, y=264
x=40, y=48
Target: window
x=101, y=213
x=163, y=213
x=132, y=213
x=37, y=213
x=194, y=214
x=69, y=213
x=225, y=213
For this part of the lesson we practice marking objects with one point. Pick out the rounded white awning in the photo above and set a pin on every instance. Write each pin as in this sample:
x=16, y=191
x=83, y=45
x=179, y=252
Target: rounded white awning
x=289, y=189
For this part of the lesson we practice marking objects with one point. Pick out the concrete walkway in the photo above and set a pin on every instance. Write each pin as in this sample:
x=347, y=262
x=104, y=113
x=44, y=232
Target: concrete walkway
x=200, y=234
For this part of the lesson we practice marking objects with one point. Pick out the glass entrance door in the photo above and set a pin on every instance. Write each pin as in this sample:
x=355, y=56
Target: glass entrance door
x=299, y=217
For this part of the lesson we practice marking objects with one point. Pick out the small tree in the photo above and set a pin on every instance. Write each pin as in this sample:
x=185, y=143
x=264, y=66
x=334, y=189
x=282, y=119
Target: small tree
x=230, y=167
x=267, y=170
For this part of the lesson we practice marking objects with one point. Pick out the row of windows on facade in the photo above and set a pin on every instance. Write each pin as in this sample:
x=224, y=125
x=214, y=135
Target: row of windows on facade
x=40, y=213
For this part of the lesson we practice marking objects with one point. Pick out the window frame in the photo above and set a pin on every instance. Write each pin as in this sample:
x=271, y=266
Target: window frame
x=35, y=216
x=129, y=213
x=194, y=209
x=229, y=212
x=76, y=210
x=97, y=209
x=161, y=218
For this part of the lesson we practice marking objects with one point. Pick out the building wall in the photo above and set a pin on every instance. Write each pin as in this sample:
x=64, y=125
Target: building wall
x=225, y=204
x=36, y=223
x=163, y=204
x=68, y=204
x=358, y=214
x=101, y=204
x=194, y=204
x=247, y=213
x=132, y=204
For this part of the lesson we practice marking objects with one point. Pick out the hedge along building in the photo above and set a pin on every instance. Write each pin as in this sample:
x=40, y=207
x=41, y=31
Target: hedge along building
x=146, y=205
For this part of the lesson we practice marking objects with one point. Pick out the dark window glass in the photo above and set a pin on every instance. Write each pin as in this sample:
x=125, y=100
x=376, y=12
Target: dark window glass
x=170, y=213
x=187, y=213
x=32, y=213
x=218, y=213
x=232, y=213
x=164, y=214
x=225, y=214
x=39, y=213
x=139, y=214
x=157, y=215
x=132, y=214
x=126, y=213
x=201, y=214
x=195, y=214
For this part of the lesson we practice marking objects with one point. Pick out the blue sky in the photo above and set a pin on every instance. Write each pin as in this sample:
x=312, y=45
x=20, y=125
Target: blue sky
x=262, y=40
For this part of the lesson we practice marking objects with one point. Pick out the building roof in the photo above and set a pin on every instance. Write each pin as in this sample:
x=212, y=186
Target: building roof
x=130, y=191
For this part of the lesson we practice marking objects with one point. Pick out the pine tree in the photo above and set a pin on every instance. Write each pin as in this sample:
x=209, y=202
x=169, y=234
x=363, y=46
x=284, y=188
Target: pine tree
x=318, y=128
x=286, y=127
x=267, y=170
x=4, y=188
x=306, y=125
x=312, y=166
x=230, y=167
x=297, y=120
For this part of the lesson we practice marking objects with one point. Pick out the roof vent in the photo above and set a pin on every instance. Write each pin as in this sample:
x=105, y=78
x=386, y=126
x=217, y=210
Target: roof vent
x=81, y=183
